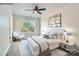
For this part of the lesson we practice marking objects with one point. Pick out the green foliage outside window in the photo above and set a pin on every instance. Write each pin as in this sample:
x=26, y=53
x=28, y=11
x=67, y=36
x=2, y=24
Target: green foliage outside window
x=27, y=26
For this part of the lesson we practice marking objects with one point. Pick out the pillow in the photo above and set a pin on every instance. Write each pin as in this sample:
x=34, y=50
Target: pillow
x=51, y=36
x=60, y=36
x=46, y=36
x=56, y=36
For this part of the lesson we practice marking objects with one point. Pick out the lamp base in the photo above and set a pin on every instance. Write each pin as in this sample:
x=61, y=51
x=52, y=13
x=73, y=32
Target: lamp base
x=67, y=41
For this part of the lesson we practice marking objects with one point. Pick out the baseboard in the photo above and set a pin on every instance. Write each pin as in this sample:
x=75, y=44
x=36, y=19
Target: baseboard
x=6, y=51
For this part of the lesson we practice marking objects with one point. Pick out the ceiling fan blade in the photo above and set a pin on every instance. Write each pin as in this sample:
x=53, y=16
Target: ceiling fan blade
x=39, y=12
x=42, y=9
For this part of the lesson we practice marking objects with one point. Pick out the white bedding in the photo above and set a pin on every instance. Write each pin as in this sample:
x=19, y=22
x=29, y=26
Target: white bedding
x=43, y=43
x=53, y=44
x=34, y=47
x=24, y=50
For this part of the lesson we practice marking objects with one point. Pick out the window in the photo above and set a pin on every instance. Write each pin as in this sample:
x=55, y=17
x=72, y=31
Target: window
x=27, y=24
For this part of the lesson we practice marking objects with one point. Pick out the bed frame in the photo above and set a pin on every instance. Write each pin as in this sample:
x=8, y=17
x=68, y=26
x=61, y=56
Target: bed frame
x=44, y=53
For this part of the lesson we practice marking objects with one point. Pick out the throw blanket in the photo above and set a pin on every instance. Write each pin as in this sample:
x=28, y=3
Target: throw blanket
x=37, y=45
x=43, y=43
x=34, y=47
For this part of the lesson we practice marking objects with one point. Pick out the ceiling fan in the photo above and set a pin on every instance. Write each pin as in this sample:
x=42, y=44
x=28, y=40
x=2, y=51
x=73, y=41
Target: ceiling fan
x=36, y=9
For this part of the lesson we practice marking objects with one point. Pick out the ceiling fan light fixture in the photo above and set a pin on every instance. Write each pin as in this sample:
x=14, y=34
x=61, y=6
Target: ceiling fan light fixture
x=35, y=12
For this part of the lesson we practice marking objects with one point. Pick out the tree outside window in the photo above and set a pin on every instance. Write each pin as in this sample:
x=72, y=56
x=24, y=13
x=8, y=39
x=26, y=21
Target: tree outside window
x=27, y=25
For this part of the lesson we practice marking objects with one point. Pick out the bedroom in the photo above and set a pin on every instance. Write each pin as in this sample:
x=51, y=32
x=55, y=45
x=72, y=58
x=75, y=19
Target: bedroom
x=61, y=37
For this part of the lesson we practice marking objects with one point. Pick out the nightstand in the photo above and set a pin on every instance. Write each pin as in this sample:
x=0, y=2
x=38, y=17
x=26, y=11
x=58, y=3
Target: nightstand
x=70, y=47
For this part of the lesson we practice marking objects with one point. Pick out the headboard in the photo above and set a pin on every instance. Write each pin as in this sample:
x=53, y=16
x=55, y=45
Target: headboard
x=55, y=30
x=55, y=33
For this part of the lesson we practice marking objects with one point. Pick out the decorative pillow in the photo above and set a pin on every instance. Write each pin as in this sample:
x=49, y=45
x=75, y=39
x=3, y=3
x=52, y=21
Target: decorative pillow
x=56, y=36
x=60, y=36
x=50, y=36
x=46, y=36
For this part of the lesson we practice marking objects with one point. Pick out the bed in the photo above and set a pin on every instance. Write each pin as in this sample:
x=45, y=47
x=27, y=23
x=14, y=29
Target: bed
x=40, y=46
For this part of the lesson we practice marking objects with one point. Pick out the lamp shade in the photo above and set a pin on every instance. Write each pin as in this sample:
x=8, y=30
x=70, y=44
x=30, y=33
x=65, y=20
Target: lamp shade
x=68, y=33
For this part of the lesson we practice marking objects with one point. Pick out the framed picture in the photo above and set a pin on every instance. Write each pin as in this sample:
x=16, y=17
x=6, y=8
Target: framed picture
x=54, y=21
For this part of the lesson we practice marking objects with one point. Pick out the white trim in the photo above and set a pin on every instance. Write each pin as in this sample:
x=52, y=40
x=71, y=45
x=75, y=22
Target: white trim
x=6, y=51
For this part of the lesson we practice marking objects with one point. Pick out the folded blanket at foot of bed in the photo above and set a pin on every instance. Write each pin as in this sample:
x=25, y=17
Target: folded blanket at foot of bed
x=34, y=47
x=24, y=49
x=42, y=43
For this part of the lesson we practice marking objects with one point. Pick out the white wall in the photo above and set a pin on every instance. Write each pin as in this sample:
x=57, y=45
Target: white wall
x=70, y=20
x=4, y=30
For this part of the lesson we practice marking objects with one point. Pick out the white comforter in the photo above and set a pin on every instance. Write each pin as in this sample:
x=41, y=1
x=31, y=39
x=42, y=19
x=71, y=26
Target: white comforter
x=53, y=43
x=34, y=47
x=44, y=43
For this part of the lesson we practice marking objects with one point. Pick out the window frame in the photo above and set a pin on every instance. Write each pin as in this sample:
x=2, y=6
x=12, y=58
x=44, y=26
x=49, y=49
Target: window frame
x=29, y=31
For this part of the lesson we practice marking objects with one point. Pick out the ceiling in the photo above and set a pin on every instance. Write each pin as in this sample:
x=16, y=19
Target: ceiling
x=19, y=8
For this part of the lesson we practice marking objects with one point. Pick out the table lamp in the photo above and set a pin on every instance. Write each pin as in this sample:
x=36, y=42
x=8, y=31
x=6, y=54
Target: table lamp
x=67, y=35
